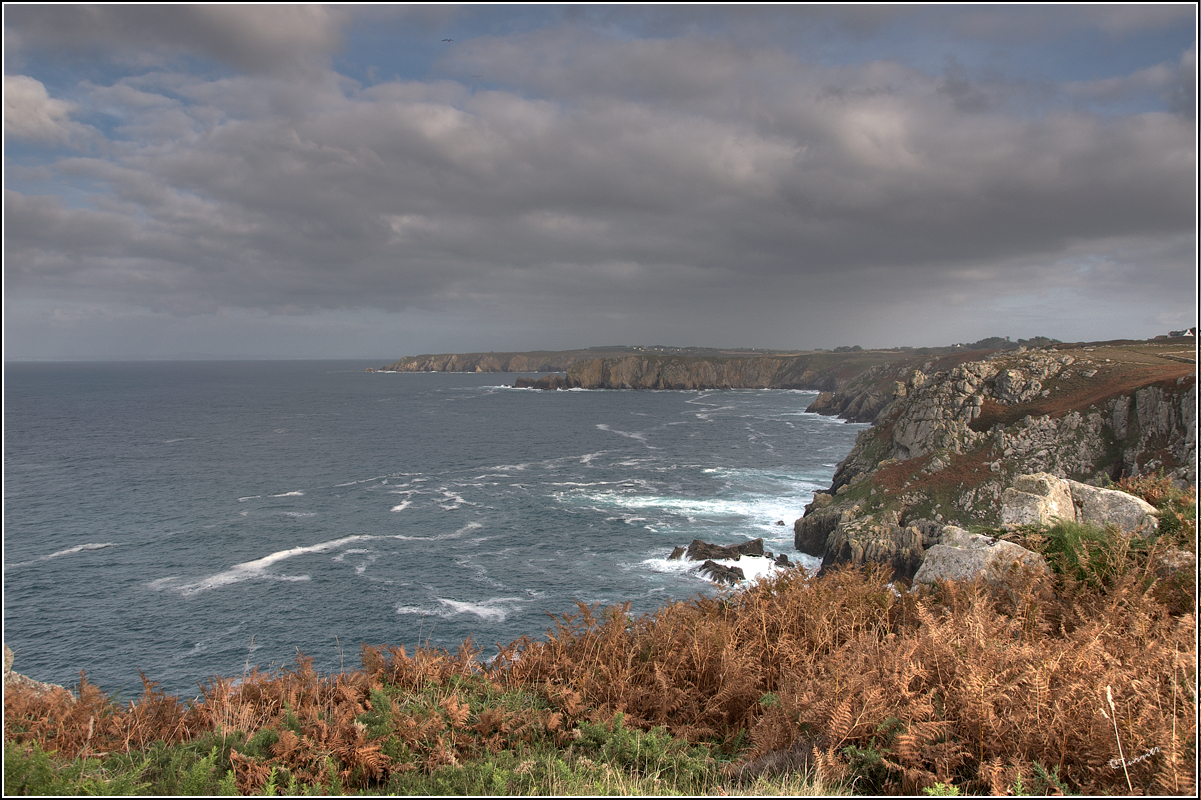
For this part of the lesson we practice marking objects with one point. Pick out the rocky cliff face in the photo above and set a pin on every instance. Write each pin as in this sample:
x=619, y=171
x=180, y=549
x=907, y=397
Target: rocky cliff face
x=850, y=382
x=485, y=362
x=821, y=372
x=650, y=372
x=949, y=441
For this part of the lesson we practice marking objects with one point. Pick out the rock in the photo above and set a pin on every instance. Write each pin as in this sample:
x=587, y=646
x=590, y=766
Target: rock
x=1103, y=507
x=719, y=573
x=677, y=553
x=1175, y=562
x=811, y=532
x=1037, y=499
x=962, y=556
x=869, y=540
x=702, y=551
x=782, y=560
x=545, y=383
x=1040, y=499
x=16, y=680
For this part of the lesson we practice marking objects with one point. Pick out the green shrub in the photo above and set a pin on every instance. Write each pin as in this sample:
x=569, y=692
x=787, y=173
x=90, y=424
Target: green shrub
x=1091, y=555
x=29, y=770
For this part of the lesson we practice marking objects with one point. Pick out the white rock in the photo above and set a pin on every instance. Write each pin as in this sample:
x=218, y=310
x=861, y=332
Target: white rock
x=963, y=556
x=1036, y=500
x=1101, y=507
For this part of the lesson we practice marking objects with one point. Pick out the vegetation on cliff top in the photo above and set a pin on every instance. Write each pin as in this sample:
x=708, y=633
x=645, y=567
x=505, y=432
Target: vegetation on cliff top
x=1086, y=682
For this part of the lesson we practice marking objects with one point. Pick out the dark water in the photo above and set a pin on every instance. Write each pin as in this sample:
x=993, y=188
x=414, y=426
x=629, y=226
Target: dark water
x=190, y=519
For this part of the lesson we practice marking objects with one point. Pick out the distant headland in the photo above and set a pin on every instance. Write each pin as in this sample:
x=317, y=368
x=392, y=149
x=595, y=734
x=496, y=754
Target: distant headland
x=692, y=368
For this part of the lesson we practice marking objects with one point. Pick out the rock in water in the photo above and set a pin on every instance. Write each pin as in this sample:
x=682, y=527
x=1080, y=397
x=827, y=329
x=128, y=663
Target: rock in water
x=702, y=551
x=719, y=573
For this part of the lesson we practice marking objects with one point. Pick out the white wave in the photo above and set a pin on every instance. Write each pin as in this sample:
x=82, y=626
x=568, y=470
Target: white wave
x=361, y=567
x=670, y=566
x=493, y=610
x=637, y=435
x=832, y=420
x=691, y=506
x=300, y=513
x=373, y=479
x=257, y=569
x=705, y=415
x=455, y=499
x=250, y=497
x=69, y=551
x=79, y=549
x=402, y=506
x=753, y=567
x=289, y=494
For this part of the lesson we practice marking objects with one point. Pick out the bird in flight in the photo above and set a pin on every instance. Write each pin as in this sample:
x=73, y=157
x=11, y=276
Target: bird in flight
x=448, y=40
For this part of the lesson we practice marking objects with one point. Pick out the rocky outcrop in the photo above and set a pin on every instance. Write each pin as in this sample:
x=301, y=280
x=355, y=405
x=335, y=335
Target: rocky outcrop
x=701, y=551
x=16, y=680
x=960, y=440
x=546, y=382
x=869, y=539
x=719, y=573
x=962, y=556
x=487, y=362
x=710, y=554
x=824, y=372
x=1043, y=499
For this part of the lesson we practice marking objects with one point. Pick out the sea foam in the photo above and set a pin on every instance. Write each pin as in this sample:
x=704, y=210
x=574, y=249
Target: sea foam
x=249, y=570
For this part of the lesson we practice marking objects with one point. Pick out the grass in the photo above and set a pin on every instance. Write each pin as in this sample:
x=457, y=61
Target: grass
x=799, y=685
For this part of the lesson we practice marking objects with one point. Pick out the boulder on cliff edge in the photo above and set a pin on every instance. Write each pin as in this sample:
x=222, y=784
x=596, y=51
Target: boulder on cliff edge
x=1042, y=498
x=963, y=556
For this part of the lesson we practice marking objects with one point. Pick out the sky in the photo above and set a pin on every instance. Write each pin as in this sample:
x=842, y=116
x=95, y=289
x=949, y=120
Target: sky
x=275, y=181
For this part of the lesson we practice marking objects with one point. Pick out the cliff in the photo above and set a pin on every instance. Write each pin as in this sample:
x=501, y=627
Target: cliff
x=486, y=362
x=954, y=433
x=820, y=371
x=556, y=360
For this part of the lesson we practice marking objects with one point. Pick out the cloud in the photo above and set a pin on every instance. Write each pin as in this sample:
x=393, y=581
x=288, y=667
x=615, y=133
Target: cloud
x=246, y=37
x=1174, y=83
x=593, y=182
x=30, y=113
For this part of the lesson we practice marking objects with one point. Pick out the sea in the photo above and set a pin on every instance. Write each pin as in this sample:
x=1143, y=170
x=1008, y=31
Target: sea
x=185, y=520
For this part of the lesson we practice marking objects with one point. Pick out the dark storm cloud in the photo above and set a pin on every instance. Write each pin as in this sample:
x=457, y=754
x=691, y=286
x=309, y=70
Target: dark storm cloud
x=251, y=38
x=673, y=178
